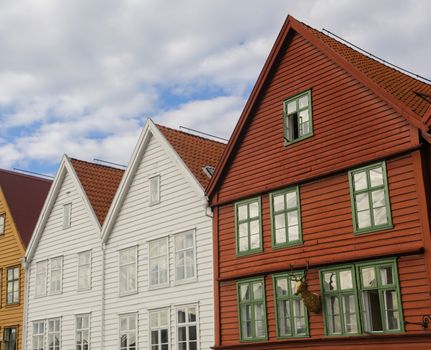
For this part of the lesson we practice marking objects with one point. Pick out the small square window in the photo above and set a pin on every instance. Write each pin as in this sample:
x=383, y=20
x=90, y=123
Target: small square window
x=298, y=121
x=154, y=190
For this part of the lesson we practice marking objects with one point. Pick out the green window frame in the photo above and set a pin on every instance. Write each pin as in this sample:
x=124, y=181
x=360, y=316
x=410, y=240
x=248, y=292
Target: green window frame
x=367, y=302
x=252, y=309
x=286, y=226
x=290, y=312
x=248, y=226
x=380, y=297
x=298, y=117
x=340, y=300
x=369, y=196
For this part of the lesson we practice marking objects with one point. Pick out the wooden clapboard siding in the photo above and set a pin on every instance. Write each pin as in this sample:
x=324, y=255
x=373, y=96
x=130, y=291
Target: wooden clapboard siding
x=181, y=209
x=327, y=227
x=351, y=125
x=12, y=251
x=414, y=295
x=56, y=241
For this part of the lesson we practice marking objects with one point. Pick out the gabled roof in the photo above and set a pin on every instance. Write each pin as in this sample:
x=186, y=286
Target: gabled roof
x=188, y=152
x=397, y=89
x=100, y=183
x=197, y=152
x=25, y=196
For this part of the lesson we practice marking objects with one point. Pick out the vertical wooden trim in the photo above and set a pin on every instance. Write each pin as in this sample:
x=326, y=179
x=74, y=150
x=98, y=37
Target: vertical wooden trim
x=217, y=325
x=420, y=176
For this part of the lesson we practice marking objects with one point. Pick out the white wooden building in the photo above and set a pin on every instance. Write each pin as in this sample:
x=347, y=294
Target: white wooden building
x=158, y=246
x=64, y=261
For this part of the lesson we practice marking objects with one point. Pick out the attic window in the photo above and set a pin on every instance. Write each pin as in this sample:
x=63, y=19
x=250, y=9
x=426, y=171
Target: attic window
x=208, y=170
x=67, y=214
x=2, y=221
x=154, y=190
x=298, y=122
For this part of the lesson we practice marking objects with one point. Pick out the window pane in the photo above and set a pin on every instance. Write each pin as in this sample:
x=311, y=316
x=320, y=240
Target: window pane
x=254, y=241
x=292, y=218
x=346, y=279
x=254, y=210
x=378, y=198
x=333, y=314
x=376, y=176
x=291, y=200
x=368, y=277
x=278, y=202
x=364, y=219
x=303, y=101
x=279, y=221
x=349, y=307
x=242, y=212
x=293, y=233
x=330, y=281
x=372, y=315
x=243, y=244
x=380, y=216
x=291, y=107
x=386, y=275
x=243, y=230
x=360, y=181
x=362, y=202
x=257, y=291
x=284, y=317
x=282, y=286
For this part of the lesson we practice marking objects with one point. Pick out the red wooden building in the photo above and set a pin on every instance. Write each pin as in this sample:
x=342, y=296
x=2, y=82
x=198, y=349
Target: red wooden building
x=328, y=166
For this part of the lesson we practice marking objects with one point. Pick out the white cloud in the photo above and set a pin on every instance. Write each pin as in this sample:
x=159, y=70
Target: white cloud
x=81, y=77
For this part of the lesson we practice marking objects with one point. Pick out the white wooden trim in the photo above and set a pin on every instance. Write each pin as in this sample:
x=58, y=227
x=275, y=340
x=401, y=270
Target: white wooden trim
x=168, y=282
x=91, y=271
x=169, y=325
x=136, y=328
x=131, y=292
x=195, y=305
x=195, y=277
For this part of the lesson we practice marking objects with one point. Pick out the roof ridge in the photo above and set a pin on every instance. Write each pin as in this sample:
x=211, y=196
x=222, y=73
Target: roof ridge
x=96, y=164
x=380, y=61
x=189, y=134
x=32, y=177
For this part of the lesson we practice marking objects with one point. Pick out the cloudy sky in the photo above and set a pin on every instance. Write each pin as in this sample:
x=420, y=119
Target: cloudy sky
x=81, y=77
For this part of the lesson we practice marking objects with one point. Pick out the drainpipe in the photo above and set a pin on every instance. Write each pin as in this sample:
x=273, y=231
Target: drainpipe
x=102, y=313
x=26, y=267
x=207, y=208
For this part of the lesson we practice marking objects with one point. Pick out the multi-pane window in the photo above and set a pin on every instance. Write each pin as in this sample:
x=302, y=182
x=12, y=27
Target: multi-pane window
x=370, y=200
x=184, y=255
x=2, y=223
x=375, y=285
x=298, y=117
x=56, y=271
x=381, y=311
x=38, y=335
x=285, y=217
x=82, y=335
x=339, y=300
x=158, y=257
x=84, y=270
x=67, y=215
x=159, y=329
x=187, y=338
x=128, y=330
x=252, y=312
x=12, y=292
x=290, y=311
x=248, y=226
x=128, y=270
x=10, y=338
x=154, y=190
x=54, y=334
x=41, y=278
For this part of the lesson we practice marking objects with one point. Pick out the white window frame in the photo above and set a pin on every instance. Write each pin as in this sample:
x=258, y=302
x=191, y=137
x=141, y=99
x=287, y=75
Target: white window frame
x=83, y=329
x=158, y=187
x=33, y=335
x=128, y=291
x=51, y=290
x=159, y=327
x=194, y=277
x=158, y=285
x=67, y=215
x=42, y=273
x=54, y=332
x=129, y=331
x=2, y=223
x=187, y=324
x=13, y=285
x=89, y=265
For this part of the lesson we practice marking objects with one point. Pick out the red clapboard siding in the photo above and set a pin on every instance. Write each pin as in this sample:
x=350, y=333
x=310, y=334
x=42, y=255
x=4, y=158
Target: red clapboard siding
x=351, y=125
x=327, y=226
x=415, y=292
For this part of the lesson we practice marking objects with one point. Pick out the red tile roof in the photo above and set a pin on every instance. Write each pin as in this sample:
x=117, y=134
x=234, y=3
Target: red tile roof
x=196, y=152
x=400, y=85
x=25, y=196
x=100, y=183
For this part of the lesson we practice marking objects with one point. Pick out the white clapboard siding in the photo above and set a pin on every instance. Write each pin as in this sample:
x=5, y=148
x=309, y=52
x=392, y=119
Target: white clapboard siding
x=56, y=241
x=181, y=208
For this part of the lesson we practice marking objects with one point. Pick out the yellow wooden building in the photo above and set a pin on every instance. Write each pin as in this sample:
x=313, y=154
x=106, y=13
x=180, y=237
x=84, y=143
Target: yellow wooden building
x=21, y=200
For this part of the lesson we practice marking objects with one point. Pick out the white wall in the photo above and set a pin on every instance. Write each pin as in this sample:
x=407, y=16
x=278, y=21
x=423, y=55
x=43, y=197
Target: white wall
x=181, y=209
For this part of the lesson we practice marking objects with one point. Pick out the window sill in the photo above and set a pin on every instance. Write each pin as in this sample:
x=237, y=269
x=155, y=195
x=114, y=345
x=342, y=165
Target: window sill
x=287, y=143
x=185, y=281
x=359, y=232
x=126, y=294
x=159, y=286
x=287, y=245
x=249, y=252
